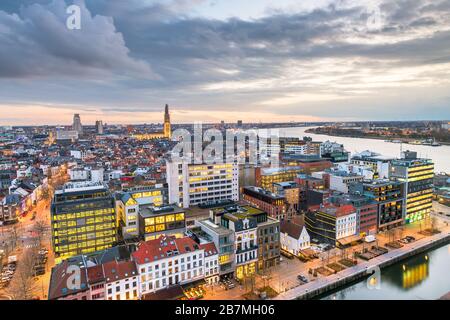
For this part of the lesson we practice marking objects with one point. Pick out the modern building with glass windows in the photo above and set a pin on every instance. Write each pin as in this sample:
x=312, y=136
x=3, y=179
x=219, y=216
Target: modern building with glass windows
x=128, y=203
x=418, y=176
x=83, y=219
x=157, y=221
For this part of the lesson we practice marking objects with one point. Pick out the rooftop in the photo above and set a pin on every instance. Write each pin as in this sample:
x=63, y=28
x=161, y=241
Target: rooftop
x=149, y=210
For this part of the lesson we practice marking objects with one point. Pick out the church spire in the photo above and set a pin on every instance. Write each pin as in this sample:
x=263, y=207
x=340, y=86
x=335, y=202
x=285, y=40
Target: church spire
x=167, y=127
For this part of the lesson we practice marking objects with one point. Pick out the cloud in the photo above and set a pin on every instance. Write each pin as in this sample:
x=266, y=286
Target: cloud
x=36, y=42
x=320, y=61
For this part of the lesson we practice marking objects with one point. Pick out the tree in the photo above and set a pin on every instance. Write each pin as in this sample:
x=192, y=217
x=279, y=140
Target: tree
x=23, y=286
x=40, y=226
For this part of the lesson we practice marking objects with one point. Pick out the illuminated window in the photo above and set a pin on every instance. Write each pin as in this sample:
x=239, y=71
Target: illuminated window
x=160, y=227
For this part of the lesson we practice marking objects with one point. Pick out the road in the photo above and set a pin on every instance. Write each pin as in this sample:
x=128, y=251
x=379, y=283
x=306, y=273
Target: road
x=26, y=238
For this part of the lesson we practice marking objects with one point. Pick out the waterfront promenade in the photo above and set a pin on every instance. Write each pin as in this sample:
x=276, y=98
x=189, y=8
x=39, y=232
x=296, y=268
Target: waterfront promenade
x=324, y=284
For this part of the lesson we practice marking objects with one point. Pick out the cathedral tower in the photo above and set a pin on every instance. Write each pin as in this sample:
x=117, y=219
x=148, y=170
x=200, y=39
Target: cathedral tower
x=167, y=127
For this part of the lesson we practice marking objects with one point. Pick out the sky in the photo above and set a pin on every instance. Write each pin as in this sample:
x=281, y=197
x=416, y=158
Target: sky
x=213, y=60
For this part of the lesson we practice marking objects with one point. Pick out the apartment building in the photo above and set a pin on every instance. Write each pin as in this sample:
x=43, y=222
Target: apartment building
x=121, y=280
x=194, y=184
x=274, y=204
x=257, y=239
x=223, y=239
x=390, y=198
x=169, y=261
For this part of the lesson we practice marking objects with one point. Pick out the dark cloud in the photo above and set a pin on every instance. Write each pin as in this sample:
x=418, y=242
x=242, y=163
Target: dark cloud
x=140, y=54
x=36, y=42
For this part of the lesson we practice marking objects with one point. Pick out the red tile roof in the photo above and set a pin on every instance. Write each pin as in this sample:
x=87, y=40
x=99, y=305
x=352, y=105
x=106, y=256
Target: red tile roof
x=119, y=270
x=210, y=249
x=165, y=246
x=95, y=274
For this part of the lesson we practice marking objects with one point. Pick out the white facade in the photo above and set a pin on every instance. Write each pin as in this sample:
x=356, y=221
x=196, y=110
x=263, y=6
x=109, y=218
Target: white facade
x=341, y=182
x=78, y=174
x=346, y=226
x=296, y=149
x=293, y=245
x=67, y=135
x=192, y=184
x=123, y=289
x=169, y=267
x=331, y=147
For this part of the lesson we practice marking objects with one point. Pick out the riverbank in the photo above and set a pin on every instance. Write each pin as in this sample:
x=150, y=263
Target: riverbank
x=348, y=276
x=363, y=136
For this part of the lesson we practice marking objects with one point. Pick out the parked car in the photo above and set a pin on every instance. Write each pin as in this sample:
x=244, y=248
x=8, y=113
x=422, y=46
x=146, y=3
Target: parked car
x=302, y=278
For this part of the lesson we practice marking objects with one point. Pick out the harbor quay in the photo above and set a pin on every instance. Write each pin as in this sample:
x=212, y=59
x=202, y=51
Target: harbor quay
x=323, y=285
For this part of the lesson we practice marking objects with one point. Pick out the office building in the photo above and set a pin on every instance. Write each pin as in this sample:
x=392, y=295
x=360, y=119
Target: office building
x=195, y=184
x=129, y=202
x=417, y=174
x=83, y=219
x=333, y=224
x=267, y=177
x=167, y=220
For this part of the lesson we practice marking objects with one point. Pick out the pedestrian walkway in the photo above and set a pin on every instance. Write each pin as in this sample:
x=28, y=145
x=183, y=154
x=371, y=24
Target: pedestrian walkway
x=362, y=268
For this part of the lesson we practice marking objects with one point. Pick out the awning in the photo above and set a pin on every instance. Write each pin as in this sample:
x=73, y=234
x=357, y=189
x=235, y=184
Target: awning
x=349, y=240
x=171, y=293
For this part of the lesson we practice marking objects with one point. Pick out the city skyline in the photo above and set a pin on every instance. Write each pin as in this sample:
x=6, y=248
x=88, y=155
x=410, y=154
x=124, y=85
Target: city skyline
x=214, y=60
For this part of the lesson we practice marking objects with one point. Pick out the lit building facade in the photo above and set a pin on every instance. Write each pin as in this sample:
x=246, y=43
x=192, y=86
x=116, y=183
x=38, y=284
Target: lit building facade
x=169, y=261
x=390, y=198
x=83, y=219
x=164, y=220
x=194, y=184
x=266, y=177
x=417, y=174
x=128, y=203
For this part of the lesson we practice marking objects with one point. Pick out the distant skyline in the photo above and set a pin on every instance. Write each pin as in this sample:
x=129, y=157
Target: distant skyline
x=213, y=60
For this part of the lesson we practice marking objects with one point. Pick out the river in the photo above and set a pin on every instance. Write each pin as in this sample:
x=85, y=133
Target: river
x=440, y=155
x=422, y=277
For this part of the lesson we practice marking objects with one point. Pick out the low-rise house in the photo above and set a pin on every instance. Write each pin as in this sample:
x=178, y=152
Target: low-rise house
x=294, y=237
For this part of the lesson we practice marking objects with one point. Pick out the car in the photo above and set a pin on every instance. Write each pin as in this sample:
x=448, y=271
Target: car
x=411, y=238
x=302, y=278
